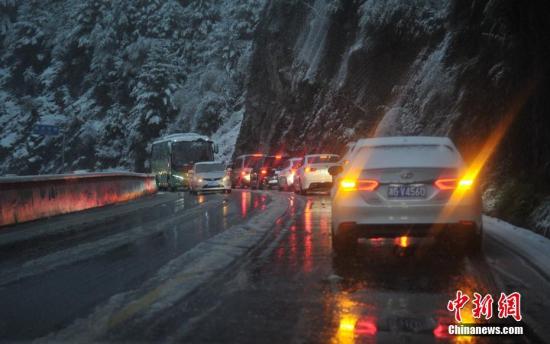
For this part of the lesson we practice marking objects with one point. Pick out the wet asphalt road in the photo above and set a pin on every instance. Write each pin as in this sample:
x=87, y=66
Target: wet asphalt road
x=295, y=291
x=46, y=287
x=290, y=289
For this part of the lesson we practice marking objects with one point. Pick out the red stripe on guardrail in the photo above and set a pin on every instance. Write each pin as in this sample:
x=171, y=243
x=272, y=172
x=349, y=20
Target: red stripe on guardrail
x=33, y=197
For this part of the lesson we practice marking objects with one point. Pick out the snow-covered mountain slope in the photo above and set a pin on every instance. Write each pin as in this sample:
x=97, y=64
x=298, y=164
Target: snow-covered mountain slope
x=326, y=72
x=300, y=75
x=114, y=75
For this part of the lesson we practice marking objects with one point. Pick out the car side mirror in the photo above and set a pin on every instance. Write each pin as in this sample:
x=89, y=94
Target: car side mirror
x=335, y=170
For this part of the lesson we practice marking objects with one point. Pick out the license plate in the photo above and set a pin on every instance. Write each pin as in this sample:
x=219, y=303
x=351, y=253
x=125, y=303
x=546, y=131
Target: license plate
x=406, y=191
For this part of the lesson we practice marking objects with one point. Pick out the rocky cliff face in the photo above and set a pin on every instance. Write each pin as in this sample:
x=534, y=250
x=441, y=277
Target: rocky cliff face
x=325, y=72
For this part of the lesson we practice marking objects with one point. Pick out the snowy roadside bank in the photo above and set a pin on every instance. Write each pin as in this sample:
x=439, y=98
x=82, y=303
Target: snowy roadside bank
x=532, y=247
x=176, y=280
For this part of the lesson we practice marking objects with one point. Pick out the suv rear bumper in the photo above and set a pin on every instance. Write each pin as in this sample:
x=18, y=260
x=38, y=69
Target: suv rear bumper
x=316, y=181
x=451, y=230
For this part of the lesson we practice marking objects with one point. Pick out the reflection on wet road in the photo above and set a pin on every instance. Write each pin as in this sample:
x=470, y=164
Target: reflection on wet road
x=300, y=293
x=44, y=289
x=288, y=289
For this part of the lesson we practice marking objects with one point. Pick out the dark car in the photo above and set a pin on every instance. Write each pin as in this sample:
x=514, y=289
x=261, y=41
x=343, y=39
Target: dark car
x=241, y=169
x=264, y=173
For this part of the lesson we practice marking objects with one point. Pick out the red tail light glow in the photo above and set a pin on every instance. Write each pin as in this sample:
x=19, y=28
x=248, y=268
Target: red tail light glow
x=446, y=183
x=453, y=183
x=264, y=171
x=366, y=327
x=441, y=331
x=360, y=184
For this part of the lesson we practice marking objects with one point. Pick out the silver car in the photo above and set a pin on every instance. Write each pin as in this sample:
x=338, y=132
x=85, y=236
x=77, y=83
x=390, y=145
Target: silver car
x=286, y=174
x=209, y=176
x=401, y=187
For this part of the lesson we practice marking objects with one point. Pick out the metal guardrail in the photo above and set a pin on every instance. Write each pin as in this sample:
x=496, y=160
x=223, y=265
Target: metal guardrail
x=26, y=198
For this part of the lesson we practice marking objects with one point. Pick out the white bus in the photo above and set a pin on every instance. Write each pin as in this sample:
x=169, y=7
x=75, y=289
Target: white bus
x=173, y=156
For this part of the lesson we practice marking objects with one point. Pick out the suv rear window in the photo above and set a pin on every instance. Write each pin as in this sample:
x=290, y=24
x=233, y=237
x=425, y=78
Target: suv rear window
x=273, y=162
x=322, y=159
x=251, y=161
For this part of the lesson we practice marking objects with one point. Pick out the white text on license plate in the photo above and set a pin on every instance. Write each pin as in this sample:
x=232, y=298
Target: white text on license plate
x=406, y=191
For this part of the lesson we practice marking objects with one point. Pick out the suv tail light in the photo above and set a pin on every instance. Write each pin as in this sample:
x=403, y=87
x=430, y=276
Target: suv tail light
x=359, y=184
x=453, y=183
x=311, y=169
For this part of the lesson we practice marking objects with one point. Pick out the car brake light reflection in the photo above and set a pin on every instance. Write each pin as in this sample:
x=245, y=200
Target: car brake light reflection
x=361, y=184
x=441, y=331
x=453, y=183
x=366, y=327
x=446, y=183
x=465, y=183
x=347, y=184
x=402, y=241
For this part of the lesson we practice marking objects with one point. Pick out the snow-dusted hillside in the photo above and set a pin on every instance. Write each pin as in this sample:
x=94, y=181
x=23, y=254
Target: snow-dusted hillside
x=326, y=72
x=117, y=74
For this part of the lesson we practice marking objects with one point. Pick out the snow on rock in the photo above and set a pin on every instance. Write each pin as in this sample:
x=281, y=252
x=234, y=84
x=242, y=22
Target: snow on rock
x=117, y=75
x=533, y=247
x=396, y=67
x=540, y=218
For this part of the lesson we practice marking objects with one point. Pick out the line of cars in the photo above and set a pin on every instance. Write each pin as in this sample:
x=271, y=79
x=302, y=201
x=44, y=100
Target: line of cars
x=302, y=175
x=382, y=188
x=386, y=187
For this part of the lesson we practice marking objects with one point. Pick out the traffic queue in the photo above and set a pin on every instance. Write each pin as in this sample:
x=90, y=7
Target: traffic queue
x=259, y=171
x=397, y=187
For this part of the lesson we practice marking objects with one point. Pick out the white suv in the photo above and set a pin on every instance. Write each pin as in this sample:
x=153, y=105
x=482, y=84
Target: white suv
x=405, y=187
x=312, y=175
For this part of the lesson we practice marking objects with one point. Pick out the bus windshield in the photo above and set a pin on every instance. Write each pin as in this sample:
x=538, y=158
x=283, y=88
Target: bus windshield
x=189, y=152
